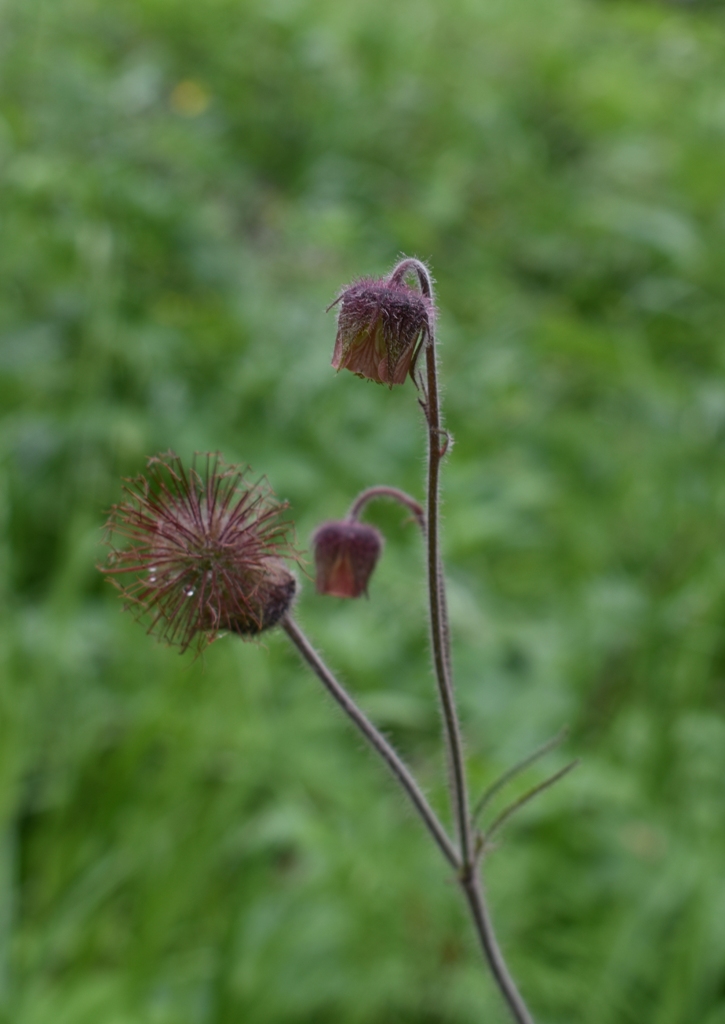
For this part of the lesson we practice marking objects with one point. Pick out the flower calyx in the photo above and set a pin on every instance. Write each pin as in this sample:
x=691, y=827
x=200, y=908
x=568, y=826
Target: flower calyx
x=381, y=326
x=346, y=553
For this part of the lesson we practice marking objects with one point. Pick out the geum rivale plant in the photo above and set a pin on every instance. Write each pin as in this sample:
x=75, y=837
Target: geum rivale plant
x=208, y=551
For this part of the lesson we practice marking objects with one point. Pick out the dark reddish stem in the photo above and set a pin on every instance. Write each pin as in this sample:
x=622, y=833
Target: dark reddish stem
x=438, y=442
x=475, y=897
x=436, y=586
x=375, y=738
x=438, y=616
x=387, y=492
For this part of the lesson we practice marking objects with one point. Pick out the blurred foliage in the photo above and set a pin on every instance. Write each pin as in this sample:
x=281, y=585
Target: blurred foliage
x=184, y=189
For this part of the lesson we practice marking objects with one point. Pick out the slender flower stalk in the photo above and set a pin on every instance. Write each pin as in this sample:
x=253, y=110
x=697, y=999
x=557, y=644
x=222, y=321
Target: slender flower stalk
x=438, y=443
x=371, y=493
x=440, y=638
x=375, y=738
x=470, y=884
x=468, y=881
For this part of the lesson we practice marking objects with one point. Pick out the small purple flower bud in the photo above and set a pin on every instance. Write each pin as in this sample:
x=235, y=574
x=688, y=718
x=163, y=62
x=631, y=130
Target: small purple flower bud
x=346, y=553
x=380, y=326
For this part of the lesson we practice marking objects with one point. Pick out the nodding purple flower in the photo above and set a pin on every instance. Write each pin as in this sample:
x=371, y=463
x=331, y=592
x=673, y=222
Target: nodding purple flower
x=380, y=328
x=346, y=553
x=204, y=551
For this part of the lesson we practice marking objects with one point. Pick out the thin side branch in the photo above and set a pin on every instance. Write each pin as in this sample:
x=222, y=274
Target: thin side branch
x=516, y=769
x=375, y=738
x=512, y=808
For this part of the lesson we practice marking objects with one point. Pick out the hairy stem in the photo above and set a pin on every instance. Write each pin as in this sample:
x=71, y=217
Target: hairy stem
x=387, y=492
x=438, y=442
x=440, y=640
x=474, y=894
x=375, y=738
x=438, y=617
x=466, y=876
x=440, y=637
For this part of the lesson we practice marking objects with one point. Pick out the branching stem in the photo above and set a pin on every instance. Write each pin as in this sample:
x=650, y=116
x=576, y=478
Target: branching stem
x=466, y=875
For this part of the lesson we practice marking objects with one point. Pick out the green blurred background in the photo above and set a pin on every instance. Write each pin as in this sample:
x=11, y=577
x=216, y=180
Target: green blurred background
x=184, y=189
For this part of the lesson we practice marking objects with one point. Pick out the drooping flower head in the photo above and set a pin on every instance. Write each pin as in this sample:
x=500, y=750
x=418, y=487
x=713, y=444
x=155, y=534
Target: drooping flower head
x=346, y=552
x=380, y=326
x=204, y=551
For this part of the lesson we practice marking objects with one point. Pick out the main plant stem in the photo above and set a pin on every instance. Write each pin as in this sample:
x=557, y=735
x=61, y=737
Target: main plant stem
x=440, y=642
x=469, y=881
x=438, y=617
x=475, y=897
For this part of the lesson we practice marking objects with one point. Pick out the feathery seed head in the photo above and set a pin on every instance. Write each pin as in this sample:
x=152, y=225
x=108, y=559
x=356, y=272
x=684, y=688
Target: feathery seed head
x=205, y=550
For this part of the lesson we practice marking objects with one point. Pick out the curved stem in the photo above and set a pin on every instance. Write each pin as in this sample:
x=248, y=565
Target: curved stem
x=387, y=492
x=411, y=265
x=374, y=738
